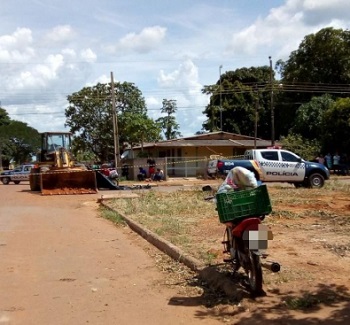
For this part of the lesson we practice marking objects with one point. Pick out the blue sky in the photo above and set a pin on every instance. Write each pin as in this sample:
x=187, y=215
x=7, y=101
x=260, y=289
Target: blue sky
x=168, y=49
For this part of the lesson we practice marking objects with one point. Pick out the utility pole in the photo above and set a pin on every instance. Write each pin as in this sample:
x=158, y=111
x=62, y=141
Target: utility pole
x=272, y=108
x=115, y=125
x=256, y=115
x=220, y=67
x=0, y=154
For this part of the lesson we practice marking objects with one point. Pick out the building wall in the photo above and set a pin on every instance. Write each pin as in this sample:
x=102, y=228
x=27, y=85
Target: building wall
x=194, y=151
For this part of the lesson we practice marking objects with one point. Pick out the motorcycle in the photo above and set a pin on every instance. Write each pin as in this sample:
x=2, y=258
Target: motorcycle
x=245, y=237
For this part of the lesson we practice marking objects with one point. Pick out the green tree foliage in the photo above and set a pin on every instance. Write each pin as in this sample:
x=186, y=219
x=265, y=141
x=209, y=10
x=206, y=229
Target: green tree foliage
x=4, y=117
x=89, y=117
x=320, y=65
x=321, y=58
x=239, y=92
x=168, y=123
x=309, y=117
x=305, y=148
x=336, y=127
x=19, y=142
x=139, y=128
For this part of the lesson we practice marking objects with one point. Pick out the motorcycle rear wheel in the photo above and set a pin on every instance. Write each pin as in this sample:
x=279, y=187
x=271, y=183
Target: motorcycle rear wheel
x=254, y=273
x=230, y=248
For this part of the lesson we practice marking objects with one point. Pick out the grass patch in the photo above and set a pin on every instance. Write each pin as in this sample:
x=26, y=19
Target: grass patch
x=208, y=257
x=307, y=301
x=112, y=216
x=185, y=219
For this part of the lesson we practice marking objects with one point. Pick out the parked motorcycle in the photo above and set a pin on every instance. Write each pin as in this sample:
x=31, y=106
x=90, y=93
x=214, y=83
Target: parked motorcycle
x=246, y=238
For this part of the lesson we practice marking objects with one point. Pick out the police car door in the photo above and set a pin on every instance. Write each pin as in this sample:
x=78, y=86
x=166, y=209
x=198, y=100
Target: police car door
x=17, y=174
x=270, y=165
x=293, y=166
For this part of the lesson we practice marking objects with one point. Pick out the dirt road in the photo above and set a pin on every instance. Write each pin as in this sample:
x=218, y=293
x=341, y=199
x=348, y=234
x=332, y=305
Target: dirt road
x=62, y=264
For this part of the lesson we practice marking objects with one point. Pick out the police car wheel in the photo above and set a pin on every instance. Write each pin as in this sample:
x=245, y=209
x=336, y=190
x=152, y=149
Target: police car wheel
x=5, y=180
x=316, y=181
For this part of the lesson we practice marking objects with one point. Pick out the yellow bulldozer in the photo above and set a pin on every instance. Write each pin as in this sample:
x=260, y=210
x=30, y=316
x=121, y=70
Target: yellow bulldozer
x=56, y=171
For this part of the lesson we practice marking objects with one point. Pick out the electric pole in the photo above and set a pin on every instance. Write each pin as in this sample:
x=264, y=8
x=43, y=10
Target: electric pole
x=115, y=125
x=272, y=108
x=256, y=115
x=220, y=67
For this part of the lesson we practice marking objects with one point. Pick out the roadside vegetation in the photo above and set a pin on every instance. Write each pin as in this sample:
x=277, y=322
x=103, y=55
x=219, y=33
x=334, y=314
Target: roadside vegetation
x=311, y=229
x=188, y=221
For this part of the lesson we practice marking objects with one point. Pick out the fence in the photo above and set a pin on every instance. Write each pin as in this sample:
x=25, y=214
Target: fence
x=186, y=166
x=172, y=166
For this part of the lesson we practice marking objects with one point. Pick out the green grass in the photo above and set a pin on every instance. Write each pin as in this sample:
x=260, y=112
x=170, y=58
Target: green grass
x=307, y=301
x=184, y=218
x=112, y=216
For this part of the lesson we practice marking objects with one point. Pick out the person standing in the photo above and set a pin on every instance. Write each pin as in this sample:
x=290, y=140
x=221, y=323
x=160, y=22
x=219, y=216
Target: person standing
x=336, y=163
x=151, y=167
x=328, y=160
x=320, y=159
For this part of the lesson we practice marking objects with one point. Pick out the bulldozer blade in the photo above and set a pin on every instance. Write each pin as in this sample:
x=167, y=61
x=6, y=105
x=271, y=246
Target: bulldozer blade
x=67, y=182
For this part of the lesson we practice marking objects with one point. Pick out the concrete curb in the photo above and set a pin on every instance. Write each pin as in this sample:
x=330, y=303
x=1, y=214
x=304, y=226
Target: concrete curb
x=207, y=273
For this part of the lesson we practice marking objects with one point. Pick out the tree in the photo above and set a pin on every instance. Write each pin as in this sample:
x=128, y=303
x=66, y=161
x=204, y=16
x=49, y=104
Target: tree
x=319, y=66
x=336, y=127
x=4, y=117
x=321, y=58
x=89, y=116
x=309, y=117
x=240, y=91
x=305, y=148
x=139, y=128
x=19, y=142
x=168, y=123
x=4, y=142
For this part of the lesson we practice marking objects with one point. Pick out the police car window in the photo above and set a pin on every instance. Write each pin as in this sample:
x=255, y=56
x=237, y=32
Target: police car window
x=286, y=156
x=270, y=155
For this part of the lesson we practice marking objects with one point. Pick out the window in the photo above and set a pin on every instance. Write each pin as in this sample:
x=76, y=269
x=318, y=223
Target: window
x=248, y=154
x=270, y=155
x=286, y=156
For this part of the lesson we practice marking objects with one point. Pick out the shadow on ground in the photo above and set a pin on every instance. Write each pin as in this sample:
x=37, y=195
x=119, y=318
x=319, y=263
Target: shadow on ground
x=324, y=305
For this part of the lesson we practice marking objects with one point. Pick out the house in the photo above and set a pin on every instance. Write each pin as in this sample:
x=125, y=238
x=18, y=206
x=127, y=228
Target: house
x=187, y=157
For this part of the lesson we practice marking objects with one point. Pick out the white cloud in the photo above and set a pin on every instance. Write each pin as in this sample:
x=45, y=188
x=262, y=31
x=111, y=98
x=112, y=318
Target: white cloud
x=284, y=27
x=147, y=40
x=62, y=33
x=186, y=88
x=69, y=52
x=88, y=55
x=168, y=50
x=103, y=79
x=16, y=48
x=153, y=101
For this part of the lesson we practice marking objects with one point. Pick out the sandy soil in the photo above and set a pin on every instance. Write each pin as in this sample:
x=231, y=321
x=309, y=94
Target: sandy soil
x=62, y=264
x=311, y=242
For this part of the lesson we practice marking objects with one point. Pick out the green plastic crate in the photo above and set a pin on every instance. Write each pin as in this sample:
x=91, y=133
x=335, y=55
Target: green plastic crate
x=240, y=204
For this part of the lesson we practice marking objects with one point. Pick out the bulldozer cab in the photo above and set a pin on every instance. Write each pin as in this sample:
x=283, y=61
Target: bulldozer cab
x=52, y=143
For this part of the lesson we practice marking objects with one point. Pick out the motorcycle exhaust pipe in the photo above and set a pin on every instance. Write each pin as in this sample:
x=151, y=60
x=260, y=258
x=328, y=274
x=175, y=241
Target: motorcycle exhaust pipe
x=272, y=266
